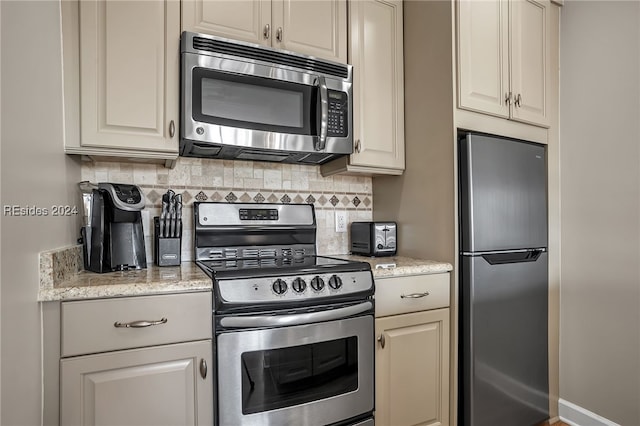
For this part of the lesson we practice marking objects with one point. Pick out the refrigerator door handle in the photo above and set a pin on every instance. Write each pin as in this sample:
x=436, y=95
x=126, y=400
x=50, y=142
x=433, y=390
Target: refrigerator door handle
x=512, y=257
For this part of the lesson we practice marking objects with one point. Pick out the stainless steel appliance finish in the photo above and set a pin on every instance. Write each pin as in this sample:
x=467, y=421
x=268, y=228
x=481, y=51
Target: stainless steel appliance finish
x=374, y=238
x=294, y=332
x=250, y=102
x=503, y=282
x=324, y=411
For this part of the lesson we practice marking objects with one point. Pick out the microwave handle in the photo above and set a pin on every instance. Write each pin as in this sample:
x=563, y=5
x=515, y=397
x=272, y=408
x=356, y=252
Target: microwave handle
x=324, y=117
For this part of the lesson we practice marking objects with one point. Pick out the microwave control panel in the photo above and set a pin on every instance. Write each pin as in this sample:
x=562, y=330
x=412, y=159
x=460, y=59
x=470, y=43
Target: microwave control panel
x=338, y=114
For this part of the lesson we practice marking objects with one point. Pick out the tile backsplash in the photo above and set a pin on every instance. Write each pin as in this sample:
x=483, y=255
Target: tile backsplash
x=243, y=181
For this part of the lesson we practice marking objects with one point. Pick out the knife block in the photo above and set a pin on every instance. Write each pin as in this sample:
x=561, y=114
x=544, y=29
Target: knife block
x=166, y=249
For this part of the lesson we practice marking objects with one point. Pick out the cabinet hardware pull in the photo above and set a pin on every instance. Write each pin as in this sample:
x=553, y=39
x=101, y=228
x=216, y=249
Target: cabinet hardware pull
x=266, y=32
x=279, y=34
x=172, y=129
x=382, y=340
x=414, y=295
x=139, y=324
x=358, y=146
x=507, y=98
x=518, y=100
x=203, y=368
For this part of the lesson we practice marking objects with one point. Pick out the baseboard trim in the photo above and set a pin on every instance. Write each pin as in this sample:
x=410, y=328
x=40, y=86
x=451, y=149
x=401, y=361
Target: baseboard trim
x=575, y=415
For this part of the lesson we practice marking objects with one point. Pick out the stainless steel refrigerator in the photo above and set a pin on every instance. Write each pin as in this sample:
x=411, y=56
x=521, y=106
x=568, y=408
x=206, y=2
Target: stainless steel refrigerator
x=503, y=356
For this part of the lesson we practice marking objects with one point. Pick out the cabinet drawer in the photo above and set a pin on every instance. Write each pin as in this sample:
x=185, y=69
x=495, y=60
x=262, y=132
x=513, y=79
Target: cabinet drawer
x=421, y=292
x=89, y=326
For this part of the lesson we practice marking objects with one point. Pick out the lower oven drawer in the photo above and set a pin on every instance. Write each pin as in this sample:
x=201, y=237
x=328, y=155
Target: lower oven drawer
x=100, y=325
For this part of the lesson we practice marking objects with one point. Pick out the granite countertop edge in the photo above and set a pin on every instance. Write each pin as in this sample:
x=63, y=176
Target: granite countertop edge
x=397, y=266
x=189, y=278
x=154, y=280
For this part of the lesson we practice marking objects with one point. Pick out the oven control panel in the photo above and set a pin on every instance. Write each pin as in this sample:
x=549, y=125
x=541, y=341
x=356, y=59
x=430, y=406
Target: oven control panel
x=294, y=287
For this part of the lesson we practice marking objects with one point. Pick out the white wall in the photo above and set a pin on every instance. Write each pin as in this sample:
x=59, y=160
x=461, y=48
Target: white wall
x=34, y=172
x=600, y=195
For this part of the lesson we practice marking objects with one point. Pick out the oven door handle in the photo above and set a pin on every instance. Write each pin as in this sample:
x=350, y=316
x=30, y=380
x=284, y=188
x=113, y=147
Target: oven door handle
x=297, y=319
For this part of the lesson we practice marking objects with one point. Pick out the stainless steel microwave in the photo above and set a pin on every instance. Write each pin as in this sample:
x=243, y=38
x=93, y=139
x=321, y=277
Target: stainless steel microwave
x=249, y=102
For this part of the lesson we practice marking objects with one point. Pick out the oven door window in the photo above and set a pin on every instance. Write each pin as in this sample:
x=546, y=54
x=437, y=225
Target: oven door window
x=255, y=103
x=295, y=375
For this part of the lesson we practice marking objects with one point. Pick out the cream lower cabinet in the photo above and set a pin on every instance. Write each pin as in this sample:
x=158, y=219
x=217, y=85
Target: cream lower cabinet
x=122, y=78
x=157, y=386
x=376, y=53
x=504, y=58
x=317, y=28
x=412, y=353
x=137, y=361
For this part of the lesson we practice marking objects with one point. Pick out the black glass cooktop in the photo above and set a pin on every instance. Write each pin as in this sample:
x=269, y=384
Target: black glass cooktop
x=256, y=267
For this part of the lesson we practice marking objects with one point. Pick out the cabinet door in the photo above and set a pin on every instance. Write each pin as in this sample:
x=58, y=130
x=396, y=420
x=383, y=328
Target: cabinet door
x=247, y=20
x=129, y=67
x=483, y=62
x=315, y=27
x=161, y=385
x=376, y=53
x=529, y=60
x=412, y=369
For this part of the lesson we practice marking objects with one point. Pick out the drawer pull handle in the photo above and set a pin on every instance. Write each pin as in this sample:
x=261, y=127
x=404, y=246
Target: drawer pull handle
x=414, y=295
x=203, y=368
x=139, y=324
x=382, y=340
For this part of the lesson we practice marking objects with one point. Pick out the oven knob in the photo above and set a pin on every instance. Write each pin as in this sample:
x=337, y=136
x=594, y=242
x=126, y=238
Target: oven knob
x=279, y=286
x=298, y=285
x=317, y=283
x=335, y=282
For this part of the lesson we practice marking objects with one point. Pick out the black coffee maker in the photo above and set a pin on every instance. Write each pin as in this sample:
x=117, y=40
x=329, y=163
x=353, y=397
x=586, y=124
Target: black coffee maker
x=112, y=237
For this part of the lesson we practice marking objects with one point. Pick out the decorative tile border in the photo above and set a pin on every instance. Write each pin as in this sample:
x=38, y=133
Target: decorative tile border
x=321, y=200
x=238, y=181
x=244, y=181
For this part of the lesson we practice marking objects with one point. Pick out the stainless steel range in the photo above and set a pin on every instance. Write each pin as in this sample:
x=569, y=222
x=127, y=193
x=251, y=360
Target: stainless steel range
x=294, y=332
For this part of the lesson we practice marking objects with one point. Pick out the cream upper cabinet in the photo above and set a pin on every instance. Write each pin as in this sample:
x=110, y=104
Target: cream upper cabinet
x=246, y=20
x=412, y=352
x=376, y=53
x=503, y=58
x=317, y=28
x=128, y=59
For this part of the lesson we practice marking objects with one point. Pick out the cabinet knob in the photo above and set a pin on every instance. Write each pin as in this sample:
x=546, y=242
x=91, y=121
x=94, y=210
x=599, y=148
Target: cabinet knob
x=518, y=100
x=266, y=32
x=357, y=147
x=172, y=128
x=507, y=98
x=279, y=34
x=203, y=368
x=382, y=341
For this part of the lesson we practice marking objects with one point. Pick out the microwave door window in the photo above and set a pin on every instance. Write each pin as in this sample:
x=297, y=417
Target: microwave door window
x=253, y=103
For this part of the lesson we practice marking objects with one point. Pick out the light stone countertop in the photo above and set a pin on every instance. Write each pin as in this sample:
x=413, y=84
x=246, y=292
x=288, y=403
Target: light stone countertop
x=403, y=265
x=154, y=280
x=62, y=277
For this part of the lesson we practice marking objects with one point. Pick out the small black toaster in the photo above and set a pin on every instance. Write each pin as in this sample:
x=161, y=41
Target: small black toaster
x=374, y=238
